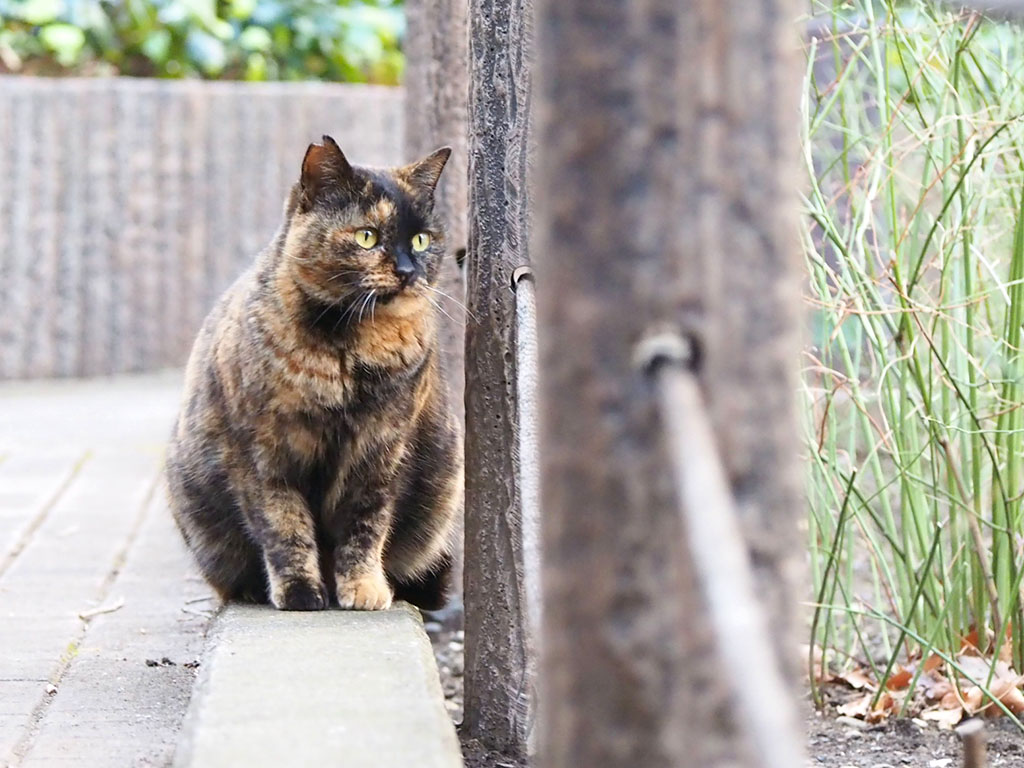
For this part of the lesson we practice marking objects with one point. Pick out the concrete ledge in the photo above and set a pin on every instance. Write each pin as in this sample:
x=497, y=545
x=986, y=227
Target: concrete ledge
x=329, y=688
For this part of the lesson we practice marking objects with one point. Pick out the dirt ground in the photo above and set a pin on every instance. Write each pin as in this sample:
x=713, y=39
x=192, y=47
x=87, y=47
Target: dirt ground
x=832, y=741
x=902, y=743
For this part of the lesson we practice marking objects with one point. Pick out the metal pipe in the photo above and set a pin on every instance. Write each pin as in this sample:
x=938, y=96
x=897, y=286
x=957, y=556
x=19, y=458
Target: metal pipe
x=529, y=457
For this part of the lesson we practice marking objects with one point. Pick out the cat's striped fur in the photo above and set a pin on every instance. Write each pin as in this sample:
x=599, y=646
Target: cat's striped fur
x=315, y=455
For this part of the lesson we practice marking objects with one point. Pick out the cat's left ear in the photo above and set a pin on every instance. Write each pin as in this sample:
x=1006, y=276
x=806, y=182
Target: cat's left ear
x=324, y=167
x=427, y=171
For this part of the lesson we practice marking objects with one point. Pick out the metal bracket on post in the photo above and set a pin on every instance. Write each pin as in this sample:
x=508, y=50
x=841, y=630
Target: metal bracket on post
x=719, y=553
x=521, y=273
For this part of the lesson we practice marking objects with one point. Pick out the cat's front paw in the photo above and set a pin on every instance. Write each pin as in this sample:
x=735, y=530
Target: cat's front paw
x=299, y=596
x=369, y=592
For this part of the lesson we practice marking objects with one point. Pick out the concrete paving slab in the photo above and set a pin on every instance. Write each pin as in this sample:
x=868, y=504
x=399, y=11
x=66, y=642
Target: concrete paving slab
x=122, y=701
x=328, y=689
x=84, y=526
x=129, y=412
x=30, y=483
x=66, y=568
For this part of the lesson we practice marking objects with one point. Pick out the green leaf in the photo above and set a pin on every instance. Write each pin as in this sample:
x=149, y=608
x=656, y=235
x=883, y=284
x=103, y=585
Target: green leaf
x=255, y=39
x=64, y=40
x=38, y=11
x=206, y=51
x=157, y=46
x=242, y=9
x=256, y=67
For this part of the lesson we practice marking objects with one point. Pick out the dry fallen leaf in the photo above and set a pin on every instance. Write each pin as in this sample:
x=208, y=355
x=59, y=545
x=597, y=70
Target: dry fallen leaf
x=973, y=667
x=945, y=719
x=936, y=690
x=861, y=708
x=857, y=679
x=857, y=707
x=950, y=700
x=900, y=679
x=1006, y=691
x=972, y=699
x=969, y=643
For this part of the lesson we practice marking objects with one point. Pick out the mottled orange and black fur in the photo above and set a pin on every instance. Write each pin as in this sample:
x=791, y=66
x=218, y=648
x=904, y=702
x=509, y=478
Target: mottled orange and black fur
x=316, y=454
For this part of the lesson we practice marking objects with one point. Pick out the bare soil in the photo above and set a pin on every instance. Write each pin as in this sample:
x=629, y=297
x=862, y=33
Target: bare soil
x=832, y=741
x=902, y=743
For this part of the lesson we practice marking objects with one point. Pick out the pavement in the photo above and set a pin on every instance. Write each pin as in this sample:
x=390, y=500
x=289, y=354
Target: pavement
x=109, y=638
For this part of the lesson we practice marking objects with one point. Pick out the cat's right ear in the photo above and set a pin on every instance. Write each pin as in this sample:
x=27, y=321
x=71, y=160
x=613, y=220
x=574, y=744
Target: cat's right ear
x=324, y=168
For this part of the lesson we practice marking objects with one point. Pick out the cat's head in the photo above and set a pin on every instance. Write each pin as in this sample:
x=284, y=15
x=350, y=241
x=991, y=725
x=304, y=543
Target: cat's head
x=364, y=234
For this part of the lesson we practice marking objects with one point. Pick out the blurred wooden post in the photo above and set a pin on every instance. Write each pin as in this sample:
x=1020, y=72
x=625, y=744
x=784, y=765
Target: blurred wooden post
x=666, y=136
x=436, y=91
x=972, y=733
x=498, y=681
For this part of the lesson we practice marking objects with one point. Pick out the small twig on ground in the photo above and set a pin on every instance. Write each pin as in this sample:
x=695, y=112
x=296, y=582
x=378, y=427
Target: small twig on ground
x=115, y=606
x=972, y=732
x=203, y=599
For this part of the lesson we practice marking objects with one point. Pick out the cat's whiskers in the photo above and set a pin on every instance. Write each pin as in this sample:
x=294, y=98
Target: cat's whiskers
x=439, y=308
x=366, y=301
x=349, y=311
x=452, y=299
x=321, y=315
x=345, y=273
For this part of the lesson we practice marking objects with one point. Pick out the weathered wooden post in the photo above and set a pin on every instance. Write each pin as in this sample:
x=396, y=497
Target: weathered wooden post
x=437, y=89
x=498, y=682
x=666, y=206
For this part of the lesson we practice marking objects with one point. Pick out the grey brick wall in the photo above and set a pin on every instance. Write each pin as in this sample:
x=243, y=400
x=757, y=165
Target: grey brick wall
x=127, y=206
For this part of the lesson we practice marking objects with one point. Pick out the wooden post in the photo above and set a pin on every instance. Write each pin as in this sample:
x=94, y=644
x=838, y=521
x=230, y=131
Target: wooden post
x=498, y=679
x=666, y=203
x=436, y=92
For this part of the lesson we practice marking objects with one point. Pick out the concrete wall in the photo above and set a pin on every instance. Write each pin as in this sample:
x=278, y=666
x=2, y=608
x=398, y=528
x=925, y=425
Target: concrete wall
x=127, y=206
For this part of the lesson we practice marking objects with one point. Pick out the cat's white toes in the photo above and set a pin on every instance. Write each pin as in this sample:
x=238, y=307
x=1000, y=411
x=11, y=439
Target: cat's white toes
x=365, y=593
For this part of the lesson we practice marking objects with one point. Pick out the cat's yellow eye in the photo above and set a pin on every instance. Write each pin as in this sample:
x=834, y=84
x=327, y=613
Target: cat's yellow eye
x=366, y=238
x=420, y=242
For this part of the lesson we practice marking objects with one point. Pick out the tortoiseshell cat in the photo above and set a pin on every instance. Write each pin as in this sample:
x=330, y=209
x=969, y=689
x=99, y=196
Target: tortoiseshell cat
x=316, y=453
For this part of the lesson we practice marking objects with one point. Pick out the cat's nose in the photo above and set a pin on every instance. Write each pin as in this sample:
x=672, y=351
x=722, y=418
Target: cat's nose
x=406, y=272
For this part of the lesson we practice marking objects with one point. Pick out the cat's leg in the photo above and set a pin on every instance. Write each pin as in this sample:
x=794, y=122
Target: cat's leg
x=285, y=530
x=360, y=530
x=210, y=519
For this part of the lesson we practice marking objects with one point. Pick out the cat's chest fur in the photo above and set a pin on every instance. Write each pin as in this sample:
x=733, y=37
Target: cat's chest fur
x=356, y=372
x=331, y=424
x=321, y=447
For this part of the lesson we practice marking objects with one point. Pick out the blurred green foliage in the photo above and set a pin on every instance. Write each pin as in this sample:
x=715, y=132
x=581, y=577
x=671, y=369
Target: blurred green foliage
x=342, y=40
